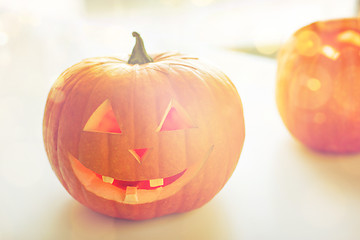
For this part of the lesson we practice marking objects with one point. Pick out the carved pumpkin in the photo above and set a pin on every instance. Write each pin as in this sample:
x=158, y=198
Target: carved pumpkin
x=143, y=138
x=318, y=85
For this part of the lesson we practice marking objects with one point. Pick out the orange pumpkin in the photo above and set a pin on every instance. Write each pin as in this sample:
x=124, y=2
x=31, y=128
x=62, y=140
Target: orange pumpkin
x=318, y=87
x=144, y=138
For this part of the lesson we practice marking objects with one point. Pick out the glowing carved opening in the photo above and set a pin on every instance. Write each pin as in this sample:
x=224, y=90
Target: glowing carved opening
x=138, y=153
x=174, y=119
x=103, y=120
x=349, y=36
x=330, y=52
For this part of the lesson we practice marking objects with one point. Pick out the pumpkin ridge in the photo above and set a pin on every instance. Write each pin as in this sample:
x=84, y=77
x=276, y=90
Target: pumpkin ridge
x=152, y=67
x=172, y=88
x=56, y=132
x=77, y=81
x=172, y=64
x=131, y=99
x=155, y=157
x=99, y=81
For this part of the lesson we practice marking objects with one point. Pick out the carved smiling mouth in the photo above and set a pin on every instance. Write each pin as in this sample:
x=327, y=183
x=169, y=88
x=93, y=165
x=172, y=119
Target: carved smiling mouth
x=134, y=192
x=131, y=187
x=145, y=184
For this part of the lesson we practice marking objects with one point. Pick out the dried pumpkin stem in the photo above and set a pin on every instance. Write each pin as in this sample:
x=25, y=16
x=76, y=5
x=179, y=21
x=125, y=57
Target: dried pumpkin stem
x=139, y=55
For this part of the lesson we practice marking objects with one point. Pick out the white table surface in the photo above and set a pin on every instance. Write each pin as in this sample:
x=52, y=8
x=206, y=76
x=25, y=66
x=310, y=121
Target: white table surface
x=279, y=190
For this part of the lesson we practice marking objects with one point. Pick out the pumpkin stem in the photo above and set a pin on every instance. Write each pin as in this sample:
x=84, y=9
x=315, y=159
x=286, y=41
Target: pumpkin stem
x=139, y=55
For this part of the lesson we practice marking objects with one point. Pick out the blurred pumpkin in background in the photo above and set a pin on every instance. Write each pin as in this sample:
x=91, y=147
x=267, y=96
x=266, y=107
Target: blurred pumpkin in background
x=318, y=85
x=146, y=137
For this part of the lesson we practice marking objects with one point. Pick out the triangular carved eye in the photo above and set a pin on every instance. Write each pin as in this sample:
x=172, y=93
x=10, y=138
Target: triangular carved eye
x=103, y=120
x=175, y=119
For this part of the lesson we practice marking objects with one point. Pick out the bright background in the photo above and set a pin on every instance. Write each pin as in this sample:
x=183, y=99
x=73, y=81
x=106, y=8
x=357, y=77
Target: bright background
x=279, y=190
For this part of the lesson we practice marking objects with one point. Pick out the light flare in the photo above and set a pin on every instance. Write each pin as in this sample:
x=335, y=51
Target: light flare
x=307, y=43
x=313, y=84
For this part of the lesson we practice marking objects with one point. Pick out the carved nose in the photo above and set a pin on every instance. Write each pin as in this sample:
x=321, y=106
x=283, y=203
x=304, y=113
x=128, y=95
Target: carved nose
x=138, y=153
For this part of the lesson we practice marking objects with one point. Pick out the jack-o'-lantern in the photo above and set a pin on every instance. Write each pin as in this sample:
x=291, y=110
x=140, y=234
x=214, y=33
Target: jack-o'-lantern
x=318, y=85
x=146, y=137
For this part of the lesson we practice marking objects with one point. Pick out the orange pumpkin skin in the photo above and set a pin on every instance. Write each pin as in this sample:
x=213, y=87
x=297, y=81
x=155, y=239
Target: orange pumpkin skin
x=318, y=87
x=205, y=151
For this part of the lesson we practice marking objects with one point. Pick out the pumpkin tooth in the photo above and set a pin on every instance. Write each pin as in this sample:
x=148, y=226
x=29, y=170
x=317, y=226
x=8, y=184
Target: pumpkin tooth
x=156, y=182
x=107, y=179
x=131, y=195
